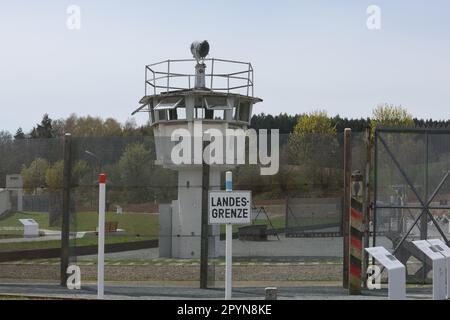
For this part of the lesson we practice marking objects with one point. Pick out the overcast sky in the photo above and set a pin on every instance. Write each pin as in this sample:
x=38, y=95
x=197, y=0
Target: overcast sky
x=307, y=55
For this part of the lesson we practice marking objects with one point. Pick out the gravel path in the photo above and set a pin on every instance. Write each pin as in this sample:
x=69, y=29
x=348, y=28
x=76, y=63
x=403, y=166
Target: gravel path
x=306, y=292
x=307, y=248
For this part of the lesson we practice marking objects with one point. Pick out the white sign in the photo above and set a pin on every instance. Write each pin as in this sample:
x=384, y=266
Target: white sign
x=30, y=227
x=429, y=249
x=438, y=259
x=445, y=251
x=384, y=257
x=230, y=207
x=440, y=246
x=396, y=272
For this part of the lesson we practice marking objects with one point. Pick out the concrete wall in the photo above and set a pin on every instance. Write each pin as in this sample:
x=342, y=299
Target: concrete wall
x=186, y=216
x=5, y=203
x=165, y=230
x=14, y=183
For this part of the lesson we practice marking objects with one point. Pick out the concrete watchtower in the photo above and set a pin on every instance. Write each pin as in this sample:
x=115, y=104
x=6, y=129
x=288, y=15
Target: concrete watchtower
x=219, y=95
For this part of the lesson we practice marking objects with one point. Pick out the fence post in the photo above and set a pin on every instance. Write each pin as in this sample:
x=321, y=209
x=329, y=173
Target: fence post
x=65, y=225
x=356, y=234
x=204, y=221
x=347, y=198
x=101, y=235
x=367, y=198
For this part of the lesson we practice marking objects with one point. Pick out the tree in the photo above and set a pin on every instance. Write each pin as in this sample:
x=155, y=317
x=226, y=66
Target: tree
x=20, y=135
x=5, y=137
x=59, y=127
x=93, y=127
x=313, y=146
x=401, y=146
x=316, y=122
x=44, y=129
x=111, y=128
x=129, y=127
x=34, y=175
x=388, y=115
x=135, y=167
x=313, y=134
x=54, y=174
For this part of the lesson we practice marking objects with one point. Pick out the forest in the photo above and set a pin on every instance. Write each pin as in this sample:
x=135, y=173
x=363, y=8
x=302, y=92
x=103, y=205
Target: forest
x=311, y=158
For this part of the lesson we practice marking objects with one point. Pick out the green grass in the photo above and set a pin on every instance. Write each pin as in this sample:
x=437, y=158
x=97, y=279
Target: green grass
x=13, y=220
x=142, y=224
x=137, y=226
x=89, y=240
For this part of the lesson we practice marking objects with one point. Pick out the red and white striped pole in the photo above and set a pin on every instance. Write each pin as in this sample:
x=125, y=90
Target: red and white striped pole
x=101, y=235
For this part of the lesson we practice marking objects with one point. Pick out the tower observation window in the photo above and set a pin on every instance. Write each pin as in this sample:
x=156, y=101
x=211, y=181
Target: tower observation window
x=244, y=112
x=169, y=103
x=215, y=107
x=171, y=109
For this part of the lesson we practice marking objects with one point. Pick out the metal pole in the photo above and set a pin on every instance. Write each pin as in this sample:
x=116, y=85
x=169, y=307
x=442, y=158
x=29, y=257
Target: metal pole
x=204, y=221
x=367, y=200
x=154, y=83
x=375, y=191
x=248, y=79
x=212, y=73
x=101, y=235
x=253, y=88
x=65, y=225
x=228, y=245
x=356, y=234
x=347, y=199
x=424, y=218
x=168, y=75
x=286, y=222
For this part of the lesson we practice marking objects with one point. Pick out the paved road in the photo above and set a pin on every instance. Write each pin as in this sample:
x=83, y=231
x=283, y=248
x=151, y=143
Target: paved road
x=324, y=292
x=306, y=248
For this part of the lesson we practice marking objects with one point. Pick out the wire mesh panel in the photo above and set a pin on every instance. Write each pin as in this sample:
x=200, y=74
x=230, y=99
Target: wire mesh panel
x=30, y=224
x=411, y=194
x=135, y=186
x=154, y=209
x=295, y=233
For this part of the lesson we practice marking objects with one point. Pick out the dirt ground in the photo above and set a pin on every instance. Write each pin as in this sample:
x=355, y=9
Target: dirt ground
x=182, y=272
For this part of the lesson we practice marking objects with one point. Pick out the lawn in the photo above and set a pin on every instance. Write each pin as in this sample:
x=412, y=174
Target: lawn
x=88, y=240
x=141, y=224
x=137, y=226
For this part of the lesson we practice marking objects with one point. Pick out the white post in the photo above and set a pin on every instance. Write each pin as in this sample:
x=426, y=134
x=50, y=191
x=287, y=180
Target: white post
x=448, y=223
x=101, y=235
x=445, y=251
x=228, y=244
x=439, y=290
x=397, y=283
x=447, y=258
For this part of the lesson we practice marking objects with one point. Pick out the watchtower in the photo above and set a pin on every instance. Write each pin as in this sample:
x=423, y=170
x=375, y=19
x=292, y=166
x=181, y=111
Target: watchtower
x=186, y=105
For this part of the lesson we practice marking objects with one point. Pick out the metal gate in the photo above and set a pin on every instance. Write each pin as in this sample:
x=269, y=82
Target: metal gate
x=411, y=192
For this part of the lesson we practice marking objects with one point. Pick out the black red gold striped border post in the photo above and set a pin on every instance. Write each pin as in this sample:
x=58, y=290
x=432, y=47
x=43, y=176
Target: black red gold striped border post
x=356, y=235
x=345, y=228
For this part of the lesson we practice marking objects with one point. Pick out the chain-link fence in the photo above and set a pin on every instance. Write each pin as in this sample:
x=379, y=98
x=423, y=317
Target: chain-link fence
x=28, y=198
x=153, y=209
x=411, y=192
